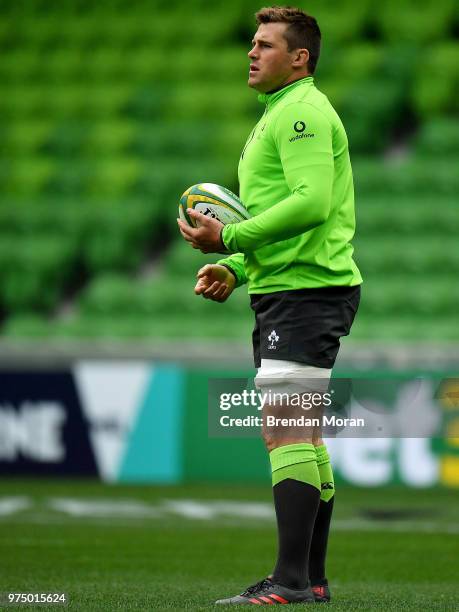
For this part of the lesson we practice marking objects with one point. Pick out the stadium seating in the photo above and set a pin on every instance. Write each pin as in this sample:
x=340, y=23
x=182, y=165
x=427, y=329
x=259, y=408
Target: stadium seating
x=439, y=98
x=110, y=110
x=34, y=275
x=416, y=20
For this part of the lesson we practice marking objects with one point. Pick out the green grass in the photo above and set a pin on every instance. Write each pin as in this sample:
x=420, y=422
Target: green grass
x=405, y=561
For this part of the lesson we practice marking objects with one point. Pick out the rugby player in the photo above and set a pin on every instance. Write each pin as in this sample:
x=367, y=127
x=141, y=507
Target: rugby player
x=296, y=256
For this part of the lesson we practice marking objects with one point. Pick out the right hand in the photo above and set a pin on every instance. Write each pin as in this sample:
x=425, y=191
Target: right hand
x=215, y=283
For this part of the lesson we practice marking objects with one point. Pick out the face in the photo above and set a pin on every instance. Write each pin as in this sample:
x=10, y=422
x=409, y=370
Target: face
x=272, y=65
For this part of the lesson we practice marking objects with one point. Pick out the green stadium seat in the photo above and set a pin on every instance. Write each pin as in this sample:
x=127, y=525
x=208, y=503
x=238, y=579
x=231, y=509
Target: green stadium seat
x=109, y=249
x=28, y=325
x=106, y=99
x=231, y=137
x=232, y=64
x=109, y=295
x=98, y=177
x=145, y=64
x=31, y=218
x=147, y=101
x=196, y=101
x=164, y=297
x=85, y=30
x=63, y=101
x=70, y=179
x=181, y=260
x=441, y=97
x=17, y=66
x=41, y=31
x=119, y=295
x=416, y=20
x=110, y=138
x=28, y=175
x=422, y=295
x=116, y=236
x=416, y=215
x=137, y=328
x=199, y=31
x=67, y=140
x=34, y=271
x=64, y=64
x=438, y=137
x=392, y=255
x=106, y=63
x=369, y=112
x=156, y=140
x=405, y=329
x=23, y=101
x=437, y=177
x=167, y=296
x=359, y=61
x=25, y=9
x=25, y=137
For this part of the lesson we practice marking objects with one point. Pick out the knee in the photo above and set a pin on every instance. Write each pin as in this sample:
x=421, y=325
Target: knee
x=270, y=440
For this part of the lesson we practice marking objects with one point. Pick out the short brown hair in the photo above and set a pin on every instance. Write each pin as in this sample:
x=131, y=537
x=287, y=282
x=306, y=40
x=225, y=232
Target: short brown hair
x=302, y=32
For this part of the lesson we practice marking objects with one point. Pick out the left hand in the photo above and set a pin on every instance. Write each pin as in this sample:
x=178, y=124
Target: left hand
x=206, y=237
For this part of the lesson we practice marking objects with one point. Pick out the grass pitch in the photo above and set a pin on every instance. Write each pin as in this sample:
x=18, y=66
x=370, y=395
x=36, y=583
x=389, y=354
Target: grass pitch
x=176, y=548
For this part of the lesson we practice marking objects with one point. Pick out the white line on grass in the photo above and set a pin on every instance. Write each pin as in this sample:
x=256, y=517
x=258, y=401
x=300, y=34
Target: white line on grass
x=12, y=505
x=228, y=513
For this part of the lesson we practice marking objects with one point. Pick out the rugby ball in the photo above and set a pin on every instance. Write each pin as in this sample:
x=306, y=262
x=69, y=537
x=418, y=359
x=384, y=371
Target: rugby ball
x=212, y=200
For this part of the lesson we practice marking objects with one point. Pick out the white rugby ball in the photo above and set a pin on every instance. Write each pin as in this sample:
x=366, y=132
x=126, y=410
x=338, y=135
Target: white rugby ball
x=212, y=200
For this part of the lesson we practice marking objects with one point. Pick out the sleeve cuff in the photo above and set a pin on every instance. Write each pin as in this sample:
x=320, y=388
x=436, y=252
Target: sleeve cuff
x=231, y=270
x=228, y=238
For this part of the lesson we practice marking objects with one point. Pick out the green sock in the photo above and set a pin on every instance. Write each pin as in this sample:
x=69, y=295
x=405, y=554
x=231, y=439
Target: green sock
x=295, y=461
x=327, y=481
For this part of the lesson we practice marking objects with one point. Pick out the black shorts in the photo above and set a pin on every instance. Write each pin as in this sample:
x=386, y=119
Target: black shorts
x=303, y=325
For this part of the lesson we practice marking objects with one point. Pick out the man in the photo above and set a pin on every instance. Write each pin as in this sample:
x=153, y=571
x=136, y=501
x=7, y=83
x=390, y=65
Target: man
x=295, y=254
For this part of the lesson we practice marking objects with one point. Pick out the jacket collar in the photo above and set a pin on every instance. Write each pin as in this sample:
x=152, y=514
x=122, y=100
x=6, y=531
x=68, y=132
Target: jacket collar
x=272, y=97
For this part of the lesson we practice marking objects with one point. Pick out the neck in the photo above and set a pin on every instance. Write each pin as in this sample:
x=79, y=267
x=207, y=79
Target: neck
x=289, y=81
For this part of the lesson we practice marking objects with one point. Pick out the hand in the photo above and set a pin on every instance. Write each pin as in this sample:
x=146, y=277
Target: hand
x=215, y=283
x=207, y=236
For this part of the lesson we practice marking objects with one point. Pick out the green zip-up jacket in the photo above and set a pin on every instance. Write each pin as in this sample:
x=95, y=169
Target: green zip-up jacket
x=295, y=180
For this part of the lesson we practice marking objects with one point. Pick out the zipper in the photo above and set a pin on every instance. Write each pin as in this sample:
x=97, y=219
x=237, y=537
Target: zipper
x=252, y=135
x=249, y=140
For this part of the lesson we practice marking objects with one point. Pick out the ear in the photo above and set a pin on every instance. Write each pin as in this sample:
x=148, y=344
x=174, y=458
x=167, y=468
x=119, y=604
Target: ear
x=300, y=58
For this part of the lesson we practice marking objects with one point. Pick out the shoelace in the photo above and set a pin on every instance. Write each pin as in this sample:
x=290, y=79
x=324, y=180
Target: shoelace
x=259, y=586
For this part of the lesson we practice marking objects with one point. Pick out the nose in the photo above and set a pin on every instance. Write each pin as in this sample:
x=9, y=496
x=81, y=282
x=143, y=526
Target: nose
x=252, y=54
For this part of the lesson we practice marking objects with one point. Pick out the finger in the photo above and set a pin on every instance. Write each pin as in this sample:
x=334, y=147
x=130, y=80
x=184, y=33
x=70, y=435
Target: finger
x=197, y=216
x=220, y=291
x=200, y=287
x=187, y=238
x=214, y=287
x=187, y=234
x=225, y=294
x=204, y=271
x=186, y=229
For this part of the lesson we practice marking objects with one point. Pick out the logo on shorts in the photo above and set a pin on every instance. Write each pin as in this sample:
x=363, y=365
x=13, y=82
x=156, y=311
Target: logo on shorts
x=273, y=338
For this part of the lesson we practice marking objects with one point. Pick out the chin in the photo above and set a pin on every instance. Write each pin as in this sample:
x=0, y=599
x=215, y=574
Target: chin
x=254, y=84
